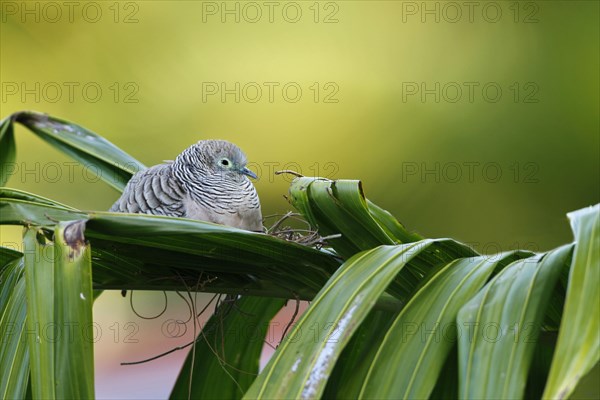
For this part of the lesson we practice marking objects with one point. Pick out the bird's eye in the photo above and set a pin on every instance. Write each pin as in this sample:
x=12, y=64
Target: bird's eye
x=225, y=162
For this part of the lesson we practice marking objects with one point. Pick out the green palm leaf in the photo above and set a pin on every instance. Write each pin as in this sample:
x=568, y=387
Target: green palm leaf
x=14, y=351
x=302, y=363
x=114, y=166
x=506, y=318
x=578, y=347
x=59, y=312
x=228, y=351
x=425, y=331
x=8, y=150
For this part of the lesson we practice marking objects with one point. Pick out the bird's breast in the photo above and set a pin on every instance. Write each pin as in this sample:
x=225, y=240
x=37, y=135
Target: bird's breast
x=238, y=207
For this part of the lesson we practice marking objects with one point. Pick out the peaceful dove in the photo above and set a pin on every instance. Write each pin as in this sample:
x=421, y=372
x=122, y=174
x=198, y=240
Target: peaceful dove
x=208, y=181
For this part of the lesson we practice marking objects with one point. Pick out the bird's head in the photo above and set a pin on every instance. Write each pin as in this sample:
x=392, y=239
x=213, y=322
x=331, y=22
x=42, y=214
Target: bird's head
x=215, y=158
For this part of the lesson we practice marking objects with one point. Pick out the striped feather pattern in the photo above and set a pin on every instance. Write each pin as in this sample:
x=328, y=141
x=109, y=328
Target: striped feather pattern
x=197, y=185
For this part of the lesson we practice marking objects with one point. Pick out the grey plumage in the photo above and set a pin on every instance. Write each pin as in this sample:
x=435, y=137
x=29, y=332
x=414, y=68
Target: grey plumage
x=208, y=181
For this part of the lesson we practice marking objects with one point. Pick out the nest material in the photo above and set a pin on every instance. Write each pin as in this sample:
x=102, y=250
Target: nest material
x=304, y=236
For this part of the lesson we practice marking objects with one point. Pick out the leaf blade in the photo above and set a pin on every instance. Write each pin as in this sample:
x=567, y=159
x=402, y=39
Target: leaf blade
x=8, y=149
x=578, y=346
x=339, y=207
x=231, y=373
x=114, y=166
x=300, y=366
x=14, y=348
x=514, y=304
x=39, y=274
x=411, y=355
x=73, y=301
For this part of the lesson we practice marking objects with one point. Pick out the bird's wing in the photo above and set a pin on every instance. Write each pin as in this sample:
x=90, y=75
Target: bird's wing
x=152, y=191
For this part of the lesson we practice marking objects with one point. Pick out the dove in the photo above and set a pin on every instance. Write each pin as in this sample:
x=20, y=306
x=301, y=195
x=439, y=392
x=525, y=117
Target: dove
x=208, y=181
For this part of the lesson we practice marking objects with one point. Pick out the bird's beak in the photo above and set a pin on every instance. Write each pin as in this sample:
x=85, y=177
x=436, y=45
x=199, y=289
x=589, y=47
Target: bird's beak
x=251, y=174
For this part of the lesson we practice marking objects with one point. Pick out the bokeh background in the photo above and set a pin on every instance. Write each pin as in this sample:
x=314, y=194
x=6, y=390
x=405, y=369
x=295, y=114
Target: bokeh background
x=478, y=122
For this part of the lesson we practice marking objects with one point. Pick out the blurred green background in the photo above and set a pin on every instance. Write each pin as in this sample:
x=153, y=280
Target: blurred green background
x=385, y=98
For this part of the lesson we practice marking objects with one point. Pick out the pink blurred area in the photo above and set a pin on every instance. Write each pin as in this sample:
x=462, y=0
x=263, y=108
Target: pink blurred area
x=122, y=336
